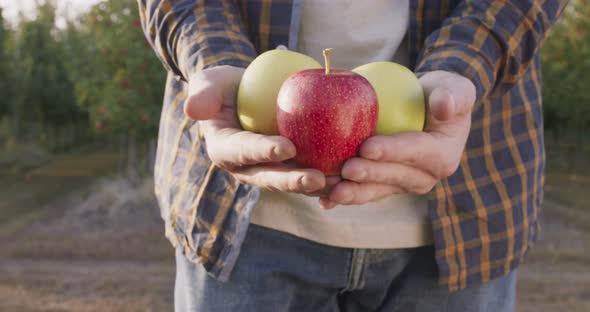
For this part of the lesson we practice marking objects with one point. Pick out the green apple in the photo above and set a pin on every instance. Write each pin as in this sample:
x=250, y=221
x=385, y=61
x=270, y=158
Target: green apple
x=260, y=84
x=400, y=96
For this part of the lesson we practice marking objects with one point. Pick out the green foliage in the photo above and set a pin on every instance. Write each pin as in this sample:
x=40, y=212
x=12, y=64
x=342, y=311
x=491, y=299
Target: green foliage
x=100, y=73
x=37, y=95
x=97, y=73
x=4, y=69
x=117, y=77
x=49, y=98
x=566, y=64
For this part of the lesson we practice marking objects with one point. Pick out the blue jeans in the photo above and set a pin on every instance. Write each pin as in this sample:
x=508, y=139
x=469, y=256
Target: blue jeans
x=280, y=272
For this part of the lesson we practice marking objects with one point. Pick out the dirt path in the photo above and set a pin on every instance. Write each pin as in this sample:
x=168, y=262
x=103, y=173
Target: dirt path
x=72, y=239
x=100, y=251
x=54, y=285
x=105, y=250
x=555, y=276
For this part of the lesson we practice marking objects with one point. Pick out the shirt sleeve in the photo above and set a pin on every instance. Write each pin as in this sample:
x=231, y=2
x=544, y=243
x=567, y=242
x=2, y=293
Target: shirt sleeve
x=190, y=35
x=490, y=42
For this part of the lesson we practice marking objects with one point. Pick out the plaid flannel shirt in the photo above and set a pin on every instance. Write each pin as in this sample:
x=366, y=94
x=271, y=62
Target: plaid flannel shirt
x=485, y=217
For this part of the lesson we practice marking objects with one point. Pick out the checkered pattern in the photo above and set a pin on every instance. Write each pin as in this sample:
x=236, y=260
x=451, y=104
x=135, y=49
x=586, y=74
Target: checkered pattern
x=485, y=216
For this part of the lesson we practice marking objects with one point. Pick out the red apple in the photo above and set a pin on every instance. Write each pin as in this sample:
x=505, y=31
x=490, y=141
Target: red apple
x=327, y=114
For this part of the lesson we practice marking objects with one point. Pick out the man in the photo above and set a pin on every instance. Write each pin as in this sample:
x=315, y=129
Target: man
x=424, y=221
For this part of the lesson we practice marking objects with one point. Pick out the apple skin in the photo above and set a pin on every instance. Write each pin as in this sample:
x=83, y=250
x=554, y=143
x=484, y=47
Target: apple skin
x=326, y=116
x=260, y=84
x=401, y=97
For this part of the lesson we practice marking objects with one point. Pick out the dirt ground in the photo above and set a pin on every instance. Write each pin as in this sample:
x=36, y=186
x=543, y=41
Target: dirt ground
x=104, y=250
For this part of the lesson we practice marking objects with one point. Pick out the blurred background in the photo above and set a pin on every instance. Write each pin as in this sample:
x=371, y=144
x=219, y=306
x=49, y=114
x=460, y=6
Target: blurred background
x=80, y=96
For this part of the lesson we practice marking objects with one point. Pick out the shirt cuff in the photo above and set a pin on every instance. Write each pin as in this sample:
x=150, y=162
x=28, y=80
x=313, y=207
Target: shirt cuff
x=464, y=61
x=195, y=55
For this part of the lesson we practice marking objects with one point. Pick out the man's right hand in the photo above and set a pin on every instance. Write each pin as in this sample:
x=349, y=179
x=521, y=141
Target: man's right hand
x=252, y=158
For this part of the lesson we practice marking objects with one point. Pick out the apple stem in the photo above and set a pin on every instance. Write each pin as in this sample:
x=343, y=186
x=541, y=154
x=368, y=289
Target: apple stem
x=327, y=53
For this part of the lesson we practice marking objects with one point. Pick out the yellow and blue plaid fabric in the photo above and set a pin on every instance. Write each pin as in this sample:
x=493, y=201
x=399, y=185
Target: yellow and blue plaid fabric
x=485, y=216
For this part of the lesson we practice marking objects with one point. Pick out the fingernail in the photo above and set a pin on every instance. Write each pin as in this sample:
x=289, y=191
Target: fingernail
x=276, y=152
x=279, y=152
x=326, y=204
x=361, y=174
x=374, y=154
x=308, y=184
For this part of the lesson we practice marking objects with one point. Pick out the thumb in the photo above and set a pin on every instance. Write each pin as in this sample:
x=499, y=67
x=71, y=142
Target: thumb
x=441, y=104
x=210, y=89
x=204, y=101
x=448, y=94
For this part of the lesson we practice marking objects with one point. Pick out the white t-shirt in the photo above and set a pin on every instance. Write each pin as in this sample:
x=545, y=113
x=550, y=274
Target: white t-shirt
x=359, y=32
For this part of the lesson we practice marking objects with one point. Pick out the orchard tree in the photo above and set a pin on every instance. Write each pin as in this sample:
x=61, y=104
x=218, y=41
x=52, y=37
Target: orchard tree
x=5, y=70
x=566, y=63
x=45, y=101
x=116, y=75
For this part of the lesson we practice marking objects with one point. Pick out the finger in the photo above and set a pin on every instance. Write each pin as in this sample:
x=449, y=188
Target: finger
x=441, y=104
x=410, y=148
x=282, y=179
x=325, y=203
x=204, y=102
x=437, y=156
x=461, y=90
x=352, y=193
x=233, y=147
x=210, y=89
x=407, y=178
x=331, y=181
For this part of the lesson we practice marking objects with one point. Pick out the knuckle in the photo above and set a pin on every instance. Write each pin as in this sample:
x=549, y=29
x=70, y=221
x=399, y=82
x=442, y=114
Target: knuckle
x=242, y=179
x=263, y=150
x=272, y=188
x=224, y=164
x=374, y=194
x=357, y=198
x=221, y=164
x=401, y=178
x=293, y=183
x=405, y=190
x=412, y=160
x=422, y=189
x=261, y=181
x=267, y=152
x=242, y=158
x=217, y=161
x=448, y=169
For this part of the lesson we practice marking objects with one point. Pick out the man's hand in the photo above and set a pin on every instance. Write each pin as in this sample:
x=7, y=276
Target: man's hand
x=252, y=158
x=412, y=162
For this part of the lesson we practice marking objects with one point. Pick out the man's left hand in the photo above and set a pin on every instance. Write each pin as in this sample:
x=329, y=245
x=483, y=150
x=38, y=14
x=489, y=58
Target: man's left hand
x=412, y=162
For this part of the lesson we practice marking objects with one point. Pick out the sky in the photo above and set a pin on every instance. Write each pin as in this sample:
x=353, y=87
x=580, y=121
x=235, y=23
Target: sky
x=65, y=7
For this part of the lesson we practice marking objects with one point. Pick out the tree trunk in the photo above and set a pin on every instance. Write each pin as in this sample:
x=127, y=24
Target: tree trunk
x=16, y=123
x=151, y=156
x=122, y=153
x=132, y=160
